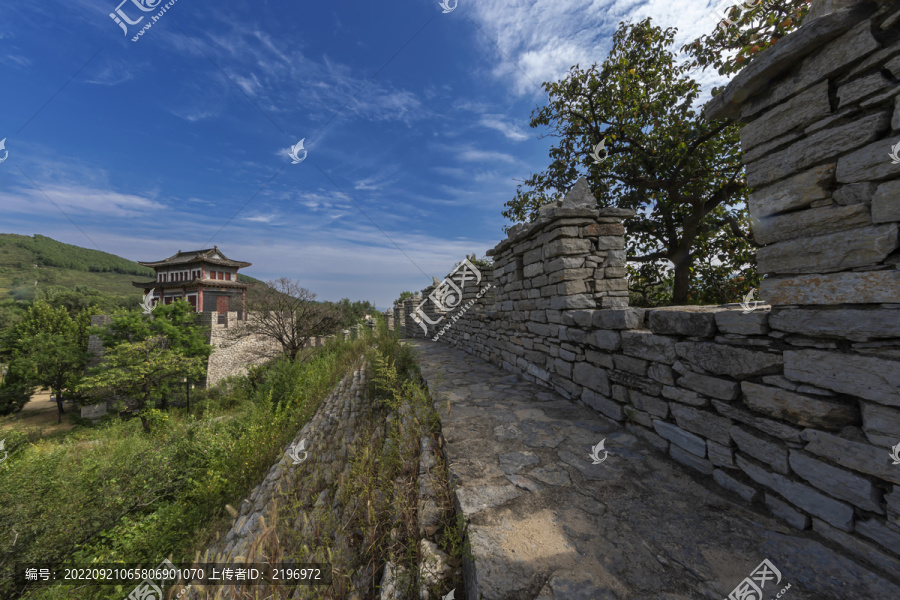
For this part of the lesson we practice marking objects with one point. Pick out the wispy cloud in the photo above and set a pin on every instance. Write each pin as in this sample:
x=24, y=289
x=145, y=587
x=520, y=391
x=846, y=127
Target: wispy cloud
x=499, y=123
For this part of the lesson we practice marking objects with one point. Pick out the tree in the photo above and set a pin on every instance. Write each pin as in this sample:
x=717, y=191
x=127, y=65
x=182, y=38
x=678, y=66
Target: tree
x=176, y=322
x=15, y=390
x=681, y=174
x=137, y=369
x=748, y=29
x=405, y=295
x=287, y=313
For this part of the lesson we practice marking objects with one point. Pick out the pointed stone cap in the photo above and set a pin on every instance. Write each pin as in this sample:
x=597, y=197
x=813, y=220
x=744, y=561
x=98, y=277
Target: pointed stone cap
x=579, y=196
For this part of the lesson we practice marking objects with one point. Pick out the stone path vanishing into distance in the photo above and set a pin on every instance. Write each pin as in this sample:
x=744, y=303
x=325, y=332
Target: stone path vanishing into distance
x=547, y=524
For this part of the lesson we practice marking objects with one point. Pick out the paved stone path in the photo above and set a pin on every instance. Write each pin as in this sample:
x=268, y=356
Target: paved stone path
x=547, y=524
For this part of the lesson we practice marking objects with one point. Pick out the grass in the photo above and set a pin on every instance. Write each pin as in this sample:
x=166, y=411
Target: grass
x=111, y=493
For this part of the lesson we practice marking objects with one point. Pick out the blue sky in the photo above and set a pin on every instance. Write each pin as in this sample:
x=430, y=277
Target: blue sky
x=415, y=125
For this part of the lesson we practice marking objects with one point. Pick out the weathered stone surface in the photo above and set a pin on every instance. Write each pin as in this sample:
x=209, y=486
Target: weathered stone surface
x=761, y=449
x=831, y=252
x=851, y=324
x=629, y=364
x=710, y=386
x=870, y=287
x=591, y=377
x=798, y=409
x=863, y=458
x=684, y=396
x=720, y=455
x=867, y=551
x=736, y=321
x=886, y=203
x=878, y=532
x=636, y=382
x=690, y=460
x=836, y=513
x=869, y=163
x=683, y=320
x=580, y=196
x=513, y=462
x=654, y=406
x=868, y=377
x=773, y=428
x=893, y=506
x=688, y=441
x=570, y=302
x=813, y=221
x=795, y=192
x=854, y=193
x=566, y=247
x=702, y=422
x=661, y=373
x=726, y=360
x=618, y=318
x=798, y=112
x=881, y=424
x=604, y=339
x=646, y=345
x=786, y=513
x=818, y=147
x=836, y=482
x=602, y=404
x=857, y=89
x=748, y=493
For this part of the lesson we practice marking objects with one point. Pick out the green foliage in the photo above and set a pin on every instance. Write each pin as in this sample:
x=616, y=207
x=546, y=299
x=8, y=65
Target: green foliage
x=48, y=252
x=680, y=173
x=755, y=26
x=352, y=312
x=405, y=295
x=15, y=389
x=176, y=322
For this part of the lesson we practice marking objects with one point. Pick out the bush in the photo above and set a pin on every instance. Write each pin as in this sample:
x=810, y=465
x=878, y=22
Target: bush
x=15, y=392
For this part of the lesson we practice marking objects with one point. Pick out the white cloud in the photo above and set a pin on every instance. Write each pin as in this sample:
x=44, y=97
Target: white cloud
x=498, y=123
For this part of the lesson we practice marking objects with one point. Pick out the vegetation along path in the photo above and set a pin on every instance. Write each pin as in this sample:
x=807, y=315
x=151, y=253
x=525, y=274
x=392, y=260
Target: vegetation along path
x=545, y=522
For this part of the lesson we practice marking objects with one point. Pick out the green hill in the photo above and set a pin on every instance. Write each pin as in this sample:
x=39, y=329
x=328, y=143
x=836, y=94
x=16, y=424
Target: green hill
x=29, y=263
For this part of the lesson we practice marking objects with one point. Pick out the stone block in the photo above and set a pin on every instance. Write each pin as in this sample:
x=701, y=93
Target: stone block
x=835, y=513
x=691, y=460
x=702, y=422
x=856, y=456
x=869, y=163
x=565, y=247
x=680, y=437
x=649, y=346
x=773, y=428
x=795, y=192
x=878, y=532
x=563, y=262
x=582, y=318
x=886, y=203
x=761, y=449
x=854, y=193
x=604, y=339
x=870, y=287
x=831, y=252
x=615, y=272
x=720, y=455
x=631, y=365
x=683, y=320
x=661, y=373
x=867, y=551
x=810, y=222
x=603, y=229
x=599, y=359
x=798, y=409
x=568, y=288
x=857, y=89
x=654, y=440
x=618, y=318
x=786, y=513
x=591, y=377
x=710, y=386
x=893, y=506
x=727, y=360
x=836, y=482
x=613, y=302
x=819, y=147
x=569, y=275
x=684, y=396
x=603, y=405
x=867, y=377
x=533, y=256
x=851, y=324
x=610, y=285
x=654, y=406
x=533, y=269
x=572, y=302
x=748, y=493
x=801, y=110
x=881, y=424
x=615, y=258
x=610, y=243
x=738, y=322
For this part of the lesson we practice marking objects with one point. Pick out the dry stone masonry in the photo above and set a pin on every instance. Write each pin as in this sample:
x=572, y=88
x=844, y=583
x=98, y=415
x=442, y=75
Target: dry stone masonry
x=793, y=407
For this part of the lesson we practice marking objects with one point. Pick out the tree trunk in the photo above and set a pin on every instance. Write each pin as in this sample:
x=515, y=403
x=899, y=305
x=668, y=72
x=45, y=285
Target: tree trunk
x=59, y=405
x=682, y=283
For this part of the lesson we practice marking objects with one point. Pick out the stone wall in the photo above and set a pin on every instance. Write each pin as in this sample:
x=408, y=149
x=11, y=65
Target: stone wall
x=794, y=406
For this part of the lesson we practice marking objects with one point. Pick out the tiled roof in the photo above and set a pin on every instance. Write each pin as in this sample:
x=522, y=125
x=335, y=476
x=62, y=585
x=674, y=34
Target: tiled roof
x=211, y=255
x=210, y=283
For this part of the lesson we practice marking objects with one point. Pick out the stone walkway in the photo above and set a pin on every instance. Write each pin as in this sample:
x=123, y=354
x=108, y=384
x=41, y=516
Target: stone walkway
x=547, y=524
